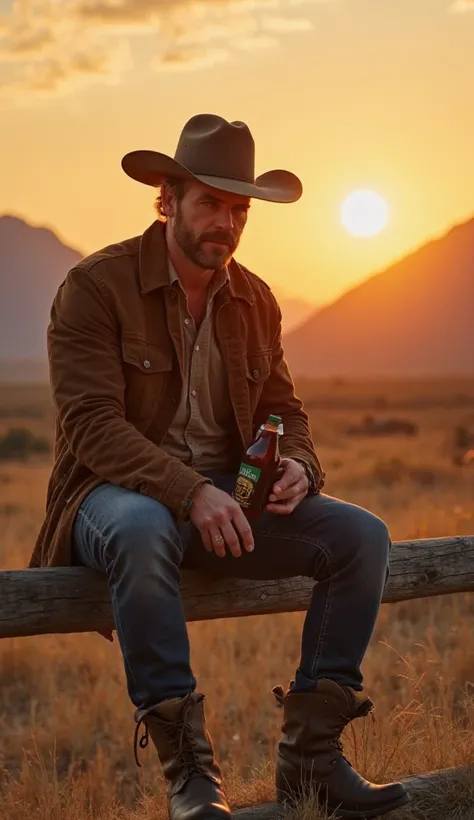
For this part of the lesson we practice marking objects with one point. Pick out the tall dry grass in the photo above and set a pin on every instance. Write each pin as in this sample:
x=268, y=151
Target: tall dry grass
x=67, y=723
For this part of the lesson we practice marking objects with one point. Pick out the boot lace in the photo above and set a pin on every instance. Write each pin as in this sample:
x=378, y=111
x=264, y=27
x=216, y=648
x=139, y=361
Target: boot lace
x=344, y=720
x=143, y=742
x=180, y=734
x=336, y=742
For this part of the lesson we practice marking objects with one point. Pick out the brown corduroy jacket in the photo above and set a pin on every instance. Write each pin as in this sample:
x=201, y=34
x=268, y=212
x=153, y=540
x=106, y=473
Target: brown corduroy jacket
x=115, y=353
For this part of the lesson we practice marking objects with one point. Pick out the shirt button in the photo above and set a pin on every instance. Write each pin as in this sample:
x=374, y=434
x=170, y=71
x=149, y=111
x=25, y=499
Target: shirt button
x=186, y=321
x=193, y=392
x=146, y=363
x=197, y=347
x=255, y=373
x=172, y=295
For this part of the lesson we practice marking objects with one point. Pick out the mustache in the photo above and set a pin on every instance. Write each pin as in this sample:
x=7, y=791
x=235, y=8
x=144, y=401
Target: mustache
x=222, y=236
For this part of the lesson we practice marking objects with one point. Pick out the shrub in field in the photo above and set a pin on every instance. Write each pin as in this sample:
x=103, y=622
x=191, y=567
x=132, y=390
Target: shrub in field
x=388, y=472
x=380, y=427
x=20, y=443
x=463, y=438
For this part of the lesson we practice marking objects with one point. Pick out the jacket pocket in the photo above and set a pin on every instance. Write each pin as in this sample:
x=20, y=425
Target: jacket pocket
x=257, y=370
x=258, y=366
x=146, y=369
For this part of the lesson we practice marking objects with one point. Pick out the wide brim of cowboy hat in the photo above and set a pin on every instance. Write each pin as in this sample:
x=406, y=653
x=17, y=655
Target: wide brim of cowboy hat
x=153, y=168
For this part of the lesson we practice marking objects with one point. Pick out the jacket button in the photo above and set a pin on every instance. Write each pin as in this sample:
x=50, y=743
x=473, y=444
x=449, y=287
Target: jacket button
x=146, y=363
x=256, y=373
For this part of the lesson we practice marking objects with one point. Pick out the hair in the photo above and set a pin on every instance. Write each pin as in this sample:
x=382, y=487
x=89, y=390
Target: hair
x=178, y=186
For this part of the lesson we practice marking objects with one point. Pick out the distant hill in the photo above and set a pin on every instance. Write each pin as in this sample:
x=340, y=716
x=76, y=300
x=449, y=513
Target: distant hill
x=416, y=317
x=293, y=311
x=33, y=263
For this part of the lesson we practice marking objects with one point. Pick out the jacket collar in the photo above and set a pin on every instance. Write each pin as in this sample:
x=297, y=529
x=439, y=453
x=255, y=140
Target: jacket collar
x=154, y=272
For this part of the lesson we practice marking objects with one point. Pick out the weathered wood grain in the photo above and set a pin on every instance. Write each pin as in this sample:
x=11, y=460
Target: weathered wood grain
x=423, y=788
x=75, y=599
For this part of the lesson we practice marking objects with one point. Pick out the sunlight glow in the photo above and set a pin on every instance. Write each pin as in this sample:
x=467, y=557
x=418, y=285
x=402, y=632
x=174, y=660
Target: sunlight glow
x=364, y=213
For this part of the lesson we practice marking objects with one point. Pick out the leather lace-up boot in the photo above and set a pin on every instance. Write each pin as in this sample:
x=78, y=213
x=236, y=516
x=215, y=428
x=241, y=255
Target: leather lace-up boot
x=310, y=756
x=177, y=728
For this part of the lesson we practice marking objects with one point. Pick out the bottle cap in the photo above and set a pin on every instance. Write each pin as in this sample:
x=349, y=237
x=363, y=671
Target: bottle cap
x=275, y=419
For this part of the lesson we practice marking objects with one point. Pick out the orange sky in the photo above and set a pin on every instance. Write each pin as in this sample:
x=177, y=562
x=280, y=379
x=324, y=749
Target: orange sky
x=346, y=93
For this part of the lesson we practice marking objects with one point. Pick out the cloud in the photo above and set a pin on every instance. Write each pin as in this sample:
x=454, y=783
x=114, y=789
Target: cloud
x=460, y=6
x=53, y=46
x=191, y=58
x=282, y=24
x=76, y=68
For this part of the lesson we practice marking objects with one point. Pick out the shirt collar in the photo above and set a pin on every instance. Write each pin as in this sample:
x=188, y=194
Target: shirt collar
x=153, y=266
x=220, y=278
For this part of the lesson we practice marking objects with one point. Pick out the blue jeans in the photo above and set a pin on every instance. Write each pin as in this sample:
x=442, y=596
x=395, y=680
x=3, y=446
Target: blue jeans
x=138, y=544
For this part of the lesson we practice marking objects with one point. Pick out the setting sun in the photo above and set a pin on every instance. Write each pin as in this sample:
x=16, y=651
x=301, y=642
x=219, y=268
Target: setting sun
x=364, y=213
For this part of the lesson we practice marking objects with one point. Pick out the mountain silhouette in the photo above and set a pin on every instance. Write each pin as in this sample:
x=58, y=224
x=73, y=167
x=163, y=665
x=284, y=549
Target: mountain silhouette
x=33, y=263
x=293, y=311
x=414, y=318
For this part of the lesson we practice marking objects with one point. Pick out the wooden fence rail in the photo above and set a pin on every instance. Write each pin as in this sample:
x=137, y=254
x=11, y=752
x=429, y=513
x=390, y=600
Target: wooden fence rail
x=455, y=786
x=76, y=599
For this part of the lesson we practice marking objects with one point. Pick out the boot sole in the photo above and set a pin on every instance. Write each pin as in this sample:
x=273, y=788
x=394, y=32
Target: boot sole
x=340, y=814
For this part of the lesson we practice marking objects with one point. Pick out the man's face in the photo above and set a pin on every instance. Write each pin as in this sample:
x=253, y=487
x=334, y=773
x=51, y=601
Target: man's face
x=207, y=224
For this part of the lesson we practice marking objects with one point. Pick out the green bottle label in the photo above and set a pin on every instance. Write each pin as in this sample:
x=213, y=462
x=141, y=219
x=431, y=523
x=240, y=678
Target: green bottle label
x=246, y=483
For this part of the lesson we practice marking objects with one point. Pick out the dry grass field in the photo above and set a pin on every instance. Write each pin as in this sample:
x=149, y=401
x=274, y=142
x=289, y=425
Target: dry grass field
x=67, y=724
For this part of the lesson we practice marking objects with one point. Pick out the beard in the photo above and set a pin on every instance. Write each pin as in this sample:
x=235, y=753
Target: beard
x=207, y=257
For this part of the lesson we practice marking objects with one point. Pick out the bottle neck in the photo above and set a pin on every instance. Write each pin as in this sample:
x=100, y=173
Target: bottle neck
x=270, y=428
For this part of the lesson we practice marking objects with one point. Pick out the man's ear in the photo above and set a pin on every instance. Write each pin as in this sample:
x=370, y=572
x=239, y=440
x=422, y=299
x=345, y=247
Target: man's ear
x=167, y=200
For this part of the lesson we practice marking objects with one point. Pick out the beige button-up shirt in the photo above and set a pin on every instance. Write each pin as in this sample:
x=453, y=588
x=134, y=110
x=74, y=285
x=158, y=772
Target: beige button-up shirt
x=200, y=432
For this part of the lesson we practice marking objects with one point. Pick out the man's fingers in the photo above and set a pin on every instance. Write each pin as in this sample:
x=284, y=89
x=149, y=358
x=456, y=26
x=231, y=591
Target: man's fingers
x=244, y=529
x=207, y=540
x=290, y=492
x=286, y=507
x=292, y=473
x=231, y=539
x=217, y=540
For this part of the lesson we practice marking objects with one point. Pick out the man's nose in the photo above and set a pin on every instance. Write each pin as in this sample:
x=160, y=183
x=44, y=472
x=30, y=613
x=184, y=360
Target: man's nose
x=225, y=220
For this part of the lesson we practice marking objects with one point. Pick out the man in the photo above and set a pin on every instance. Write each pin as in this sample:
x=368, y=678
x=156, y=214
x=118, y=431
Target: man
x=165, y=358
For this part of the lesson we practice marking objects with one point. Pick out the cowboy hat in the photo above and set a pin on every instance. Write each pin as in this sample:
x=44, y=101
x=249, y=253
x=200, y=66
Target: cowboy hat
x=218, y=153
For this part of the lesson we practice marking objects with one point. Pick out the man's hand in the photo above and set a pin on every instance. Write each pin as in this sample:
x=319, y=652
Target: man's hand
x=289, y=489
x=220, y=521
